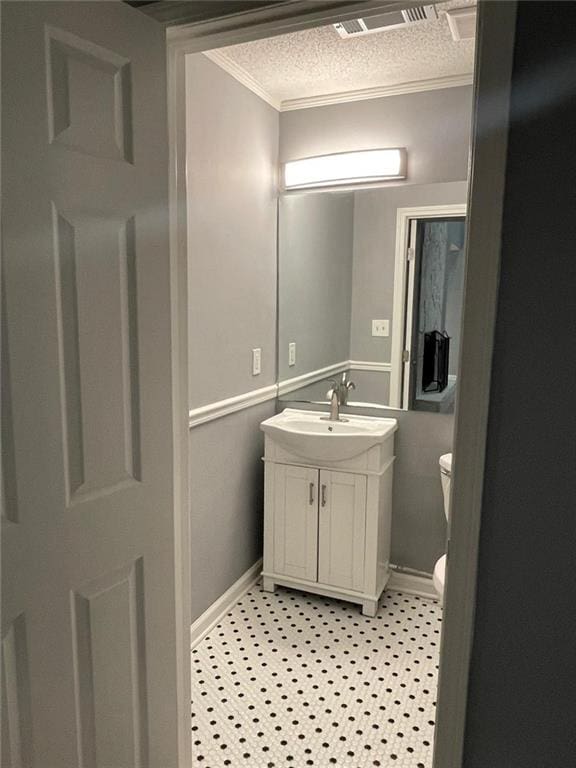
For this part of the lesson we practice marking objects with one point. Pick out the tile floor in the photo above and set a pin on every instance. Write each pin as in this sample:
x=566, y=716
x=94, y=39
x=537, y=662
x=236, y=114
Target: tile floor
x=292, y=679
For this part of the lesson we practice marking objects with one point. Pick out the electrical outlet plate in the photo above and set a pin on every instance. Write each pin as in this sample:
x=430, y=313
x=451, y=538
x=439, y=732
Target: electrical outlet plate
x=256, y=361
x=292, y=353
x=380, y=327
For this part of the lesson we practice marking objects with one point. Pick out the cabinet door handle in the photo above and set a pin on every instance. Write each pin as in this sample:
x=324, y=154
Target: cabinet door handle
x=311, y=494
x=323, y=495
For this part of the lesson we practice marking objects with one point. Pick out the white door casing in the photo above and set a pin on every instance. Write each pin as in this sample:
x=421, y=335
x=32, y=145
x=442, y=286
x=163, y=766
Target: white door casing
x=295, y=521
x=409, y=313
x=342, y=529
x=404, y=286
x=90, y=618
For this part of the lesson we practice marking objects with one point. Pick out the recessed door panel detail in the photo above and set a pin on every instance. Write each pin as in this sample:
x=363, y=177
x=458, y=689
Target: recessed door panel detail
x=89, y=97
x=96, y=286
x=296, y=521
x=109, y=670
x=16, y=717
x=9, y=500
x=342, y=527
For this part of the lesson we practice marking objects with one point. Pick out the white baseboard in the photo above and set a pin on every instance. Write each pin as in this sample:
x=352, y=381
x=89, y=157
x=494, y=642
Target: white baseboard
x=220, y=608
x=417, y=583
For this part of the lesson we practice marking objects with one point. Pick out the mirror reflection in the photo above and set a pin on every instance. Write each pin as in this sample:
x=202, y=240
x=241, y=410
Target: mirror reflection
x=370, y=296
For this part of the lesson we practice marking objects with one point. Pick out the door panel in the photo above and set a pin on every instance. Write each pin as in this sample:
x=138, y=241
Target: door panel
x=16, y=717
x=342, y=528
x=295, y=521
x=88, y=569
x=110, y=680
x=96, y=325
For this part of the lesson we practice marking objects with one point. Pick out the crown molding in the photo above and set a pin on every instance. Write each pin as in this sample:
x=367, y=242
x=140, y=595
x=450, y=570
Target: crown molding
x=379, y=92
x=243, y=77
x=323, y=100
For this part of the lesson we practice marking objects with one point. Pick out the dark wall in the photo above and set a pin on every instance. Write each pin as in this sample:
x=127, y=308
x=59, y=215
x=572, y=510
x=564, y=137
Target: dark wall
x=522, y=695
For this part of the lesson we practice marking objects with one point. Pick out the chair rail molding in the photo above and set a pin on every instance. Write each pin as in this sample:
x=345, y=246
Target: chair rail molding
x=368, y=365
x=216, y=410
x=220, y=408
x=297, y=382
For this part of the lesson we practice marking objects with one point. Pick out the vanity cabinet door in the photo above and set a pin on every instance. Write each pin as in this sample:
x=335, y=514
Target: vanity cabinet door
x=296, y=521
x=342, y=527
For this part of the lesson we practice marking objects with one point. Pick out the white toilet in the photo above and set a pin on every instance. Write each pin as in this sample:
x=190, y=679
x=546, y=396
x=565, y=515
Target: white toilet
x=446, y=477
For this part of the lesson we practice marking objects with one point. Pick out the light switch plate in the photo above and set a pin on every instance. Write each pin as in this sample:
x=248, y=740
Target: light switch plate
x=380, y=327
x=292, y=353
x=256, y=361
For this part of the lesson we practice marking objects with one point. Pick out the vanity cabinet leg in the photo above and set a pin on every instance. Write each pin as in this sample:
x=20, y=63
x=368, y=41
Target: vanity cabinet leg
x=268, y=585
x=369, y=608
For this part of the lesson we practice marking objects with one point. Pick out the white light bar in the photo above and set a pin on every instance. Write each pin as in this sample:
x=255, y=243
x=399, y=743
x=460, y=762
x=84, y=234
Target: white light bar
x=362, y=167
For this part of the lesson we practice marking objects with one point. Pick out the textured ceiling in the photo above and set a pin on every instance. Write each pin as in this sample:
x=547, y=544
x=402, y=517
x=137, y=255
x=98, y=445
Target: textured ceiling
x=317, y=61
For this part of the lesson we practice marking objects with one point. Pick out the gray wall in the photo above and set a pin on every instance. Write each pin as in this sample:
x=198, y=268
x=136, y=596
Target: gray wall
x=315, y=280
x=232, y=156
x=434, y=126
x=375, y=214
x=232, y=153
x=232, y=160
x=522, y=695
x=227, y=489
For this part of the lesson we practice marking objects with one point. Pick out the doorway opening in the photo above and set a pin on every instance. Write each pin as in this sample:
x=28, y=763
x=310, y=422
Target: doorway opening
x=196, y=47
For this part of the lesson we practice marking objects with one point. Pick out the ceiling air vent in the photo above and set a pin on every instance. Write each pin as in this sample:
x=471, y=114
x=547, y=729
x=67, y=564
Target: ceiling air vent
x=385, y=21
x=462, y=22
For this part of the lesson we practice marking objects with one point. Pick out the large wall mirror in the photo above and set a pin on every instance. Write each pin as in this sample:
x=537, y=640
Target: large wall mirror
x=370, y=288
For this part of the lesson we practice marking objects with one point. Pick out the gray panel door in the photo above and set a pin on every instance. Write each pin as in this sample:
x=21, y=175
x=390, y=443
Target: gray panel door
x=88, y=582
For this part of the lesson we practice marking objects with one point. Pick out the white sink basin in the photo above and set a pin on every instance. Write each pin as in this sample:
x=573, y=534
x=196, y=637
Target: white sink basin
x=310, y=435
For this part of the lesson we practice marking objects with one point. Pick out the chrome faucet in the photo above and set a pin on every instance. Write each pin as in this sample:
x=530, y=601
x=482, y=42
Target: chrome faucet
x=334, y=405
x=344, y=389
x=338, y=395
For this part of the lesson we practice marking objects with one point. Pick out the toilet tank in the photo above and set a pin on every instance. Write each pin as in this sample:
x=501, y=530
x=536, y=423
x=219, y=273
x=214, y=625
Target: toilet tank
x=446, y=477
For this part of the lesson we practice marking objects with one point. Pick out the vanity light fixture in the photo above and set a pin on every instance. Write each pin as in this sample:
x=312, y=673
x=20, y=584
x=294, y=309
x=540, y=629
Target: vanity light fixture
x=362, y=167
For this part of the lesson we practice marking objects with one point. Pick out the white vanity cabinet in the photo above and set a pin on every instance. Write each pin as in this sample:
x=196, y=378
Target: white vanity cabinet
x=327, y=523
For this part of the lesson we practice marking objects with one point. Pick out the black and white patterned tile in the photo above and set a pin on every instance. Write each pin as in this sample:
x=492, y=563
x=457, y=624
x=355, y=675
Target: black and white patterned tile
x=292, y=679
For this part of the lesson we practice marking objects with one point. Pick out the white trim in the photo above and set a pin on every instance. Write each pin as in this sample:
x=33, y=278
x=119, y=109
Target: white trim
x=494, y=58
x=180, y=438
x=240, y=74
x=379, y=92
x=410, y=266
x=412, y=583
x=321, y=100
x=403, y=218
x=221, y=408
x=364, y=365
x=289, y=385
x=216, y=612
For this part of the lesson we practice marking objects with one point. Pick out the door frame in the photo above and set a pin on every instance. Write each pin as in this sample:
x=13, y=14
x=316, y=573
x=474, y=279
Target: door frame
x=492, y=86
x=404, y=289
